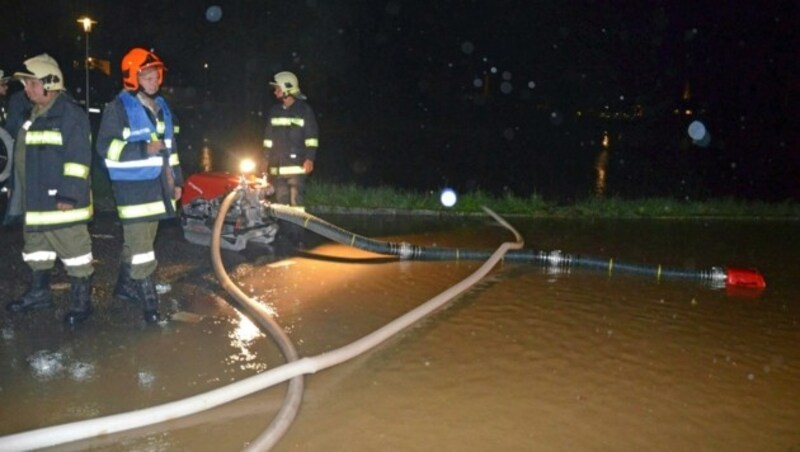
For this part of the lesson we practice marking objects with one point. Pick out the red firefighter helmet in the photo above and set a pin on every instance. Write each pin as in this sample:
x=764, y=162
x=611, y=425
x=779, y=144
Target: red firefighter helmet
x=137, y=60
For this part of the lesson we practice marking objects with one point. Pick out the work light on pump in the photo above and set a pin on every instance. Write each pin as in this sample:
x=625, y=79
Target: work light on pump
x=247, y=166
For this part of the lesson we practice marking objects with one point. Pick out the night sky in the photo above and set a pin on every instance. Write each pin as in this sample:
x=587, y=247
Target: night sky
x=501, y=96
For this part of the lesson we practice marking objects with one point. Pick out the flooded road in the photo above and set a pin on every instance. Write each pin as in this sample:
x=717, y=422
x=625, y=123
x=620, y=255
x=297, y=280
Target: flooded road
x=529, y=359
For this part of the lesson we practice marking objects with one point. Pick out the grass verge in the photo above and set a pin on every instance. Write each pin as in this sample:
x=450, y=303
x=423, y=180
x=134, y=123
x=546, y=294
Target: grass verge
x=351, y=197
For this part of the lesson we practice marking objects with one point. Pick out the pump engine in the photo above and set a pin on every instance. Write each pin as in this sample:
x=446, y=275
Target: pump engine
x=246, y=221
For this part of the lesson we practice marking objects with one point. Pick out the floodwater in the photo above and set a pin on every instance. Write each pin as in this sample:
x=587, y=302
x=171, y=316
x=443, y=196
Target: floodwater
x=528, y=359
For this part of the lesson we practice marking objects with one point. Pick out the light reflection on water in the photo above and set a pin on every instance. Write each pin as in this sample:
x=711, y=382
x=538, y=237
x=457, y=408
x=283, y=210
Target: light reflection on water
x=527, y=359
x=242, y=340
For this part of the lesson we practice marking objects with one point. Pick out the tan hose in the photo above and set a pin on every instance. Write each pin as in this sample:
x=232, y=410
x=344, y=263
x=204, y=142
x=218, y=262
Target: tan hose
x=294, y=395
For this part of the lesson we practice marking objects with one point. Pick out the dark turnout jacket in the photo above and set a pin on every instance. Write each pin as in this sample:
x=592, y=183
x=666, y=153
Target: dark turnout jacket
x=54, y=166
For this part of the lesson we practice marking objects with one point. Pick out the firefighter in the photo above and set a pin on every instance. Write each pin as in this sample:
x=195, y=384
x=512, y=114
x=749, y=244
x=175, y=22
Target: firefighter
x=137, y=141
x=52, y=162
x=291, y=140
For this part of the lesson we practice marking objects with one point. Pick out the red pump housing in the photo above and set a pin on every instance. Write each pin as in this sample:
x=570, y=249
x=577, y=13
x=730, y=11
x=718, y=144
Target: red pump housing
x=208, y=186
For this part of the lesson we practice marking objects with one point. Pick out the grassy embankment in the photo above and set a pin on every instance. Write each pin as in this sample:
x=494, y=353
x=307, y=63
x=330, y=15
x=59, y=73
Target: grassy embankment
x=322, y=196
x=348, y=198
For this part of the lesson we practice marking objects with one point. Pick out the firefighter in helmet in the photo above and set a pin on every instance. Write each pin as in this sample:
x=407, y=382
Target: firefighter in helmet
x=291, y=140
x=52, y=184
x=137, y=141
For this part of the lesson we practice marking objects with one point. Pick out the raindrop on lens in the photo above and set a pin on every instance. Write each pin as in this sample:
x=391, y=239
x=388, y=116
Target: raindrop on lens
x=213, y=13
x=697, y=130
x=448, y=197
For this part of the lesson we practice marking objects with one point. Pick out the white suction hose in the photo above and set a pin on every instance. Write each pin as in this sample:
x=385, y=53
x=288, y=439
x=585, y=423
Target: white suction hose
x=81, y=430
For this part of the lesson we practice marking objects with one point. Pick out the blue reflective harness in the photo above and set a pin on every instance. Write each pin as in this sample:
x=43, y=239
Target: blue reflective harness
x=143, y=129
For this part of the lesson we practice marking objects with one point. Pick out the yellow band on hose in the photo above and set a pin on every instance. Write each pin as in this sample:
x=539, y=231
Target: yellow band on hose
x=610, y=266
x=457, y=256
x=353, y=240
x=305, y=223
x=658, y=275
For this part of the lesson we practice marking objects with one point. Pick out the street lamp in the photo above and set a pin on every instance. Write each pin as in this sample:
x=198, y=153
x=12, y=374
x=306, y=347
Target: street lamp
x=87, y=28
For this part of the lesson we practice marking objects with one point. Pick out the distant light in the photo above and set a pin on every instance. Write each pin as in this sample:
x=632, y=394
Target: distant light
x=506, y=87
x=213, y=13
x=87, y=23
x=448, y=197
x=697, y=130
x=531, y=84
x=477, y=83
x=467, y=47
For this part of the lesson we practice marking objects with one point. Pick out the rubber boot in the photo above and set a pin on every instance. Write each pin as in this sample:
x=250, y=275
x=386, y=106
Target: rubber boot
x=80, y=296
x=37, y=297
x=126, y=287
x=149, y=297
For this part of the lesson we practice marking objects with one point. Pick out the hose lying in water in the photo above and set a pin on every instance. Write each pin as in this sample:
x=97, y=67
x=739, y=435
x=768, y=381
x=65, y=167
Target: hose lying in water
x=75, y=431
x=294, y=395
x=715, y=277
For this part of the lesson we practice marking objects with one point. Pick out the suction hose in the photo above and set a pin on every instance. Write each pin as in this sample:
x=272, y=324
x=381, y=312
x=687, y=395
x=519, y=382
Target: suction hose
x=716, y=276
x=90, y=428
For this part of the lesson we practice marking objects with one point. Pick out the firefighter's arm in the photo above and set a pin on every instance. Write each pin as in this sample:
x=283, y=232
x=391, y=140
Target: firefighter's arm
x=266, y=146
x=77, y=148
x=174, y=158
x=111, y=141
x=311, y=138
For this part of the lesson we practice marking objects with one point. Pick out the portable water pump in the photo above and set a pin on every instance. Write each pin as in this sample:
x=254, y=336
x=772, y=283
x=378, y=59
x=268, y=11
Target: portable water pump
x=247, y=221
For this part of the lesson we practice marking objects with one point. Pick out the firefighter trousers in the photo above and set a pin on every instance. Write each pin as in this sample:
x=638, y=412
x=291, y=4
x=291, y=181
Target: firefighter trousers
x=290, y=190
x=72, y=244
x=138, y=248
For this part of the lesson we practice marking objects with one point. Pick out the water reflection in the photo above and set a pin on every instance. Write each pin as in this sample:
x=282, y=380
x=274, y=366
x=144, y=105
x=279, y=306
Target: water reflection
x=206, y=161
x=242, y=338
x=600, y=167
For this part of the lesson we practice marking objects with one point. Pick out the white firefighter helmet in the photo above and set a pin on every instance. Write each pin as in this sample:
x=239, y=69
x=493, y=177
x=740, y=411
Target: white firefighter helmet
x=289, y=84
x=44, y=68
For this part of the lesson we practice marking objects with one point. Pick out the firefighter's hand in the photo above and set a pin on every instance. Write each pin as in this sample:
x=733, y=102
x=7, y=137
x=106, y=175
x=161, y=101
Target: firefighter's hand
x=308, y=166
x=64, y=206
x=178, y=191
x=154, y=147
